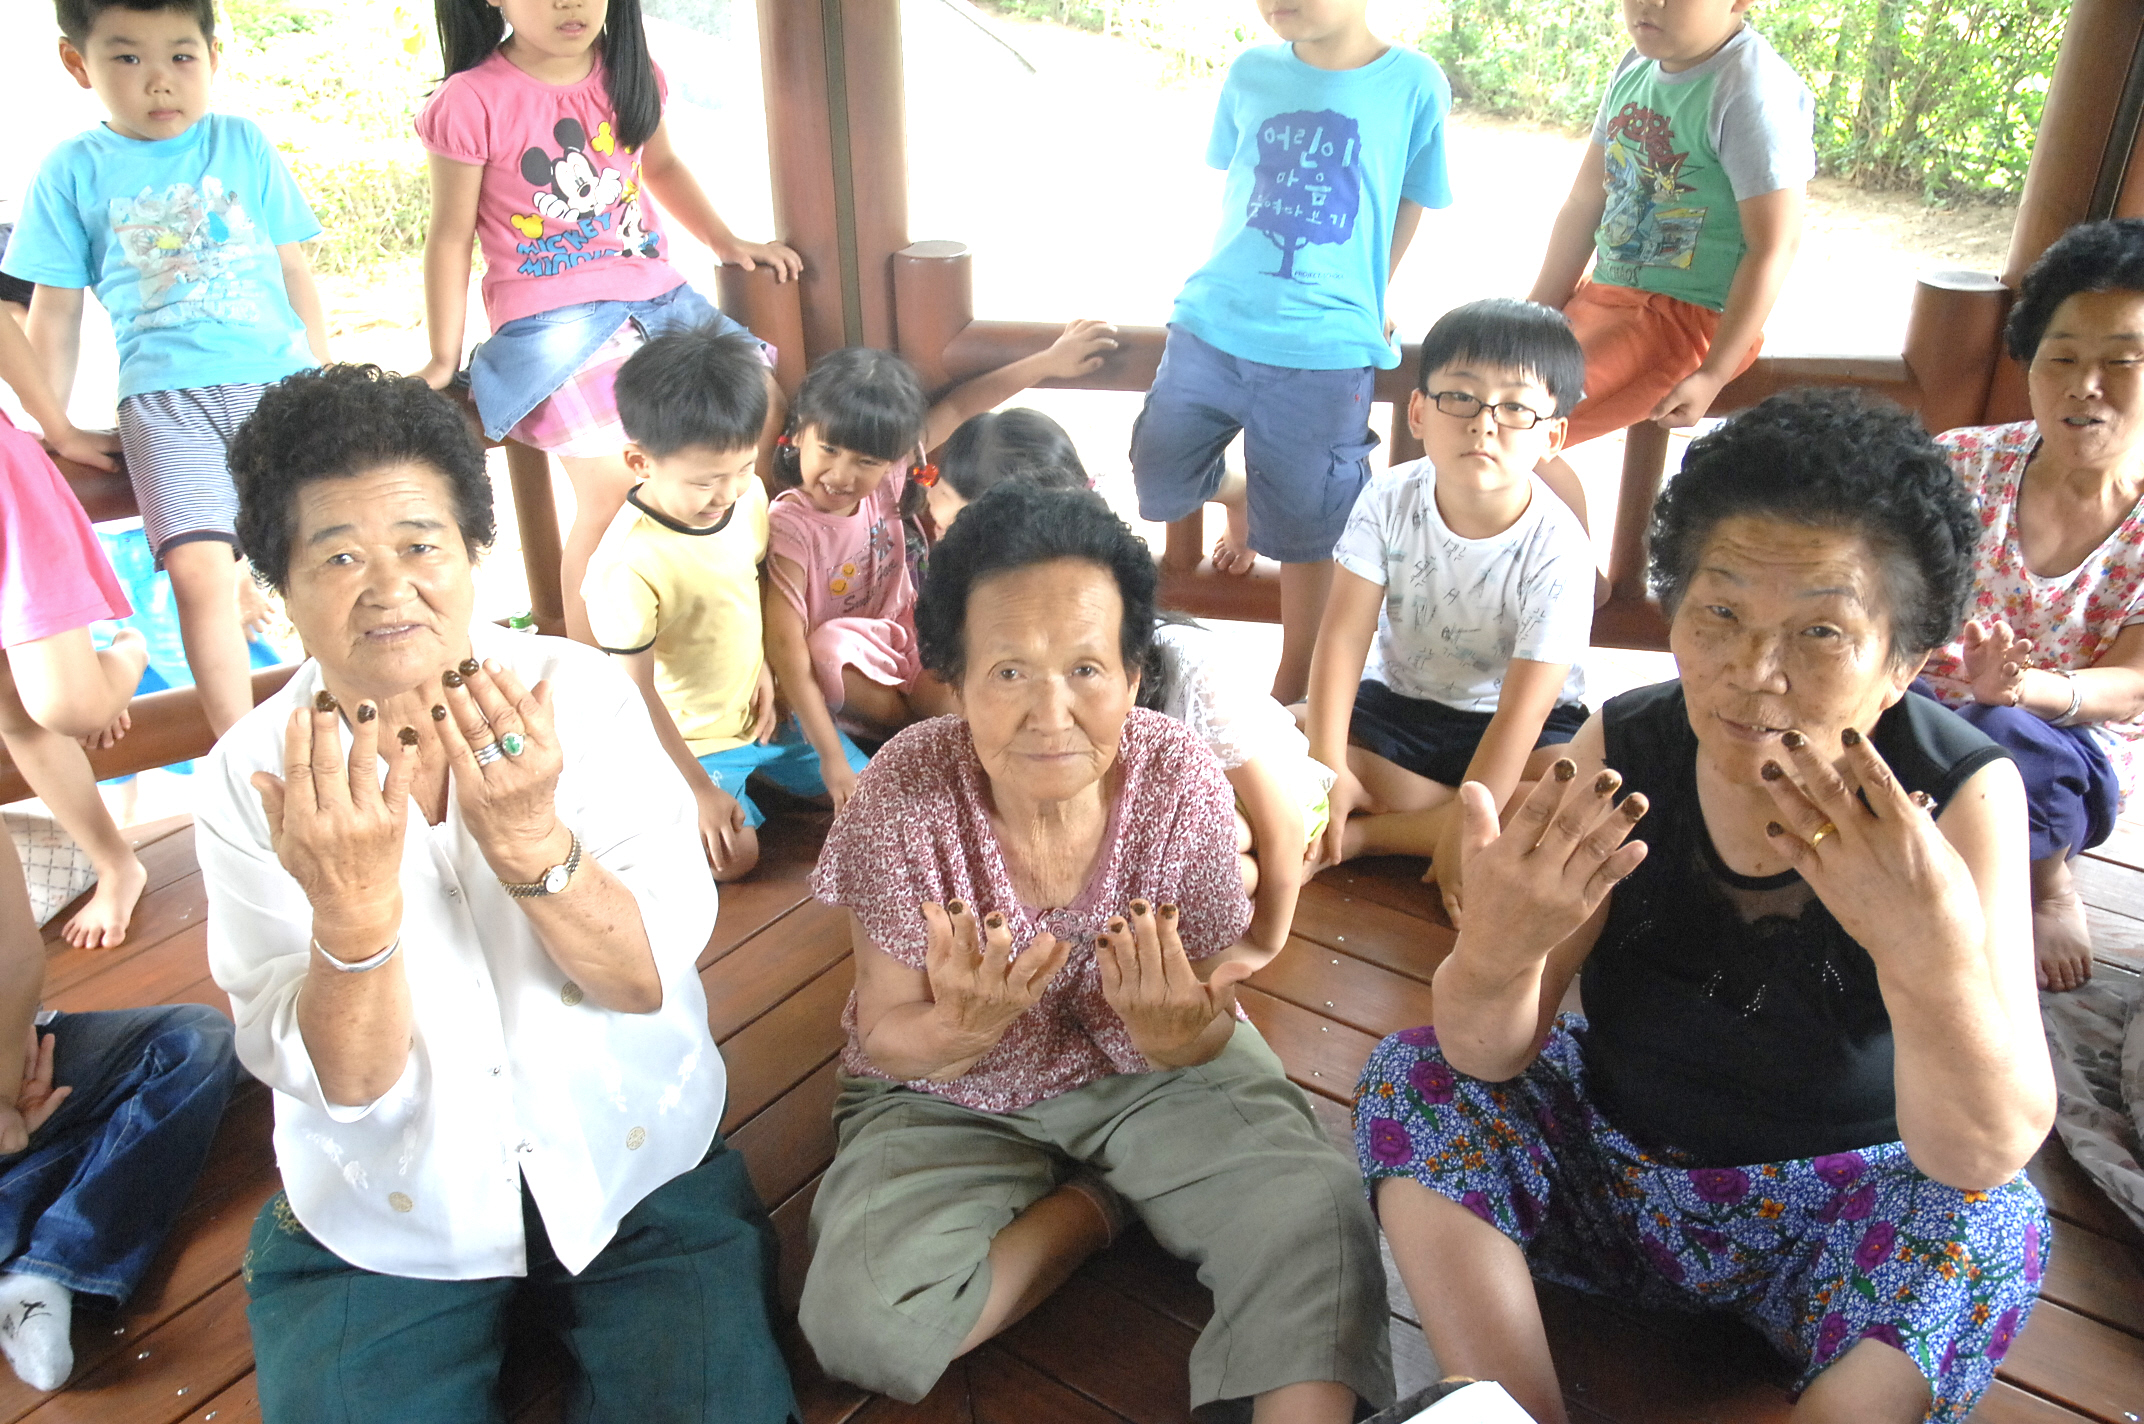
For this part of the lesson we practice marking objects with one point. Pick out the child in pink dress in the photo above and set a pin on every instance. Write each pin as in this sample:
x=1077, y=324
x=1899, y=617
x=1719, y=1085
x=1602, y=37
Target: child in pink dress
x=840, y=606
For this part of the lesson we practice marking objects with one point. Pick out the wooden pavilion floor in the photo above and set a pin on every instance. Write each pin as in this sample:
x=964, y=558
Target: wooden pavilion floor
x=1111, y=1346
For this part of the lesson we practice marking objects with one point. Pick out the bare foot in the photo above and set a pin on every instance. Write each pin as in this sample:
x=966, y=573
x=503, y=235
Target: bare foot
x=102, y=923
x=109, y=734
x=2061, y=939
x=1232, y=551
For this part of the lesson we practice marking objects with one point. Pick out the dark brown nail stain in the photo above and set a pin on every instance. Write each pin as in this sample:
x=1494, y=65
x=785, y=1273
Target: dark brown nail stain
x=1168, y=912
x=1773, y=828
x=1851, y=737
x=451, y=678
x=1635, y=806
x=366, y=712
x=468, y=667
x=1770, y=771
x=994, y=920
x=1140, y=907
x=324, y=701
x=1116, y=927
x=956, y=907
x=439, y=713
x=1606, y=782
x=1792, y=740
x=407, y=736
x=1565, y=770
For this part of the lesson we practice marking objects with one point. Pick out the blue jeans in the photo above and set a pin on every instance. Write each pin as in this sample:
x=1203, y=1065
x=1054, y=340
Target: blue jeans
x=528, y=358
x=89, y=1201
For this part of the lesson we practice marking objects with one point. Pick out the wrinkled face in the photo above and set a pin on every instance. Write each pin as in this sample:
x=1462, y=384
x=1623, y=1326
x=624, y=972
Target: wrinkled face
x=2087, y=379
x=1294, y=20
x=946, y=504
x=1046, y=690
x=695, y=486
x=836, y=479
x=151, y=69
x=1784, y=626
x=1680, y=33
x=380, y=586
x=553, y=29
x=1476, y=447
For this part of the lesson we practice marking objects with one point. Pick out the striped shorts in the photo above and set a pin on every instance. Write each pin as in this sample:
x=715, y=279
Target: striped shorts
x=177, y=447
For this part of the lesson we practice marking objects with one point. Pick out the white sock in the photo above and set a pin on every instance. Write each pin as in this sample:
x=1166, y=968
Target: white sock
x=34, y=1317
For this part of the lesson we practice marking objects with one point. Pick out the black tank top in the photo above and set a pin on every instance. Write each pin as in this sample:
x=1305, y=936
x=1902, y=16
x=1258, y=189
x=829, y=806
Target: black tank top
x=1730, y=1016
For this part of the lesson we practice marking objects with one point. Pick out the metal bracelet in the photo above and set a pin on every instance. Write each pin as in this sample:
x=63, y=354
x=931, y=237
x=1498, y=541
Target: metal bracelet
x=358, y=966
x=2069, y=718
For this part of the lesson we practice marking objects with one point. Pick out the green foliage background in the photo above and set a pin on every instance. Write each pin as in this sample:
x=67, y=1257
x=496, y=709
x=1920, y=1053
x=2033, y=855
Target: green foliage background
x=1939, y=95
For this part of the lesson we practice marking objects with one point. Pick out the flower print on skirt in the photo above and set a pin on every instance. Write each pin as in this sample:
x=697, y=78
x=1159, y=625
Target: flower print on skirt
x=1818, y=1254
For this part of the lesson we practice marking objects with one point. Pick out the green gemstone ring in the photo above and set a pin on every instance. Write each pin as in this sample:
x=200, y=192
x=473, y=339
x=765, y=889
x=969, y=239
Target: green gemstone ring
x=513, y=743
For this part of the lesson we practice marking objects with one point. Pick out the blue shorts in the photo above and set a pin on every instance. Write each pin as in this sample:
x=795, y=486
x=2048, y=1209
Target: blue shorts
x=788, y=761
x=1433, y=740
x=1306, y=444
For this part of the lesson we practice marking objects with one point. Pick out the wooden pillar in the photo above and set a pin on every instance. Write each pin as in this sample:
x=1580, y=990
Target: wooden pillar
x=934, y=301
x=1953, y=340
x=536, y=511
x=836, y=148
x=772, y=311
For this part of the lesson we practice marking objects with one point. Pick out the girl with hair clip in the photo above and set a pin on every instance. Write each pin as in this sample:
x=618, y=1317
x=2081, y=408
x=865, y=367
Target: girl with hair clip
x=547, y=141
x=840, y=606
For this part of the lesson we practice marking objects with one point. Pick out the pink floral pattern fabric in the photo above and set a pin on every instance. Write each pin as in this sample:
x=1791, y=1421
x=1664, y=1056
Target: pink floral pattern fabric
x=918, y=831
x=2072, y=619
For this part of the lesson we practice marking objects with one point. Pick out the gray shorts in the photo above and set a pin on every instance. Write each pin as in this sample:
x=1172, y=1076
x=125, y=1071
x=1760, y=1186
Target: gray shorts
x=178, y=456
x=1306, y=444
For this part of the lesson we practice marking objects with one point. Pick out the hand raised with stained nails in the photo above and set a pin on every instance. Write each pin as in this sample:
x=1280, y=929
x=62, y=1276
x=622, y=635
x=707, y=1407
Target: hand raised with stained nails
x=509, y=802
x=1532, y=883
x=1994, y=662
x=335, y=826
x=978, y=985
x=1881, y=865
x=1149, y=981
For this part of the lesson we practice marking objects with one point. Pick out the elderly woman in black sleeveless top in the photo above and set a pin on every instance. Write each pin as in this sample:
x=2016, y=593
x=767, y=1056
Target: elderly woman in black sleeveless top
x=1810, y=1069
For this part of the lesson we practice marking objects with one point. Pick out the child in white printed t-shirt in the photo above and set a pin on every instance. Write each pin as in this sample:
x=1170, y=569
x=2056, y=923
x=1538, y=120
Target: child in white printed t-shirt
x=1466, y=586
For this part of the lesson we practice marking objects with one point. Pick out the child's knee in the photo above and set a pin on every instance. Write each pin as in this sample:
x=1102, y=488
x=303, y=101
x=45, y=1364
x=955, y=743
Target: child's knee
x=744, y=856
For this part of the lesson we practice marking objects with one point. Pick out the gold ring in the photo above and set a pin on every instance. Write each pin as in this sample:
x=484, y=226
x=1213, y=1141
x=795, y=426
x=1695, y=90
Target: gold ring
x=1819, y=833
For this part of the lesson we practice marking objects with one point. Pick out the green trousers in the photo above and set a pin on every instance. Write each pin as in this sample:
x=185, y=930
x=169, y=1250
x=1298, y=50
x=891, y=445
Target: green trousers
x=670, y=1324
x=1224, y=1163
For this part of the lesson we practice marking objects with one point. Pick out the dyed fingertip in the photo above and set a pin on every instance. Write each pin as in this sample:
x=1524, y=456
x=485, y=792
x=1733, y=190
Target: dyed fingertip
x=1771, y=771
x=1635, y=805
x=994, y=920
x=452, y=677
x=1792, y=740
x=1564, y=769
x=1605, y=783
x=467, y=667
x=956, y=907
x=439, y=713
x=1117, y=926
x=1168, y=912
x=1773, y=828
x=1851, y=737
x=366, y=712
x=1141, y=907
x=407, y=736
x=324, y=701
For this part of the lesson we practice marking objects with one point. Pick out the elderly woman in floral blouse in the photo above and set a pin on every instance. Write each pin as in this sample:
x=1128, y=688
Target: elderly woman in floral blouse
x=1048, y=919
x=2052, y=664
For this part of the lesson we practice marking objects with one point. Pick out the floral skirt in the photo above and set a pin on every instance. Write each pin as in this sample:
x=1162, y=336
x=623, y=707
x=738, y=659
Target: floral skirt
x=1817, y=1253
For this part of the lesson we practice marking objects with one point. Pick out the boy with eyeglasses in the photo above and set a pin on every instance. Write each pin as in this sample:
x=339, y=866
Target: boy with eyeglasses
x=1467, y=586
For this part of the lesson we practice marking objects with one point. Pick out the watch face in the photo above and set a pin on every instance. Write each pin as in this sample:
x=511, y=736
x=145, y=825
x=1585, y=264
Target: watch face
x=554, y=879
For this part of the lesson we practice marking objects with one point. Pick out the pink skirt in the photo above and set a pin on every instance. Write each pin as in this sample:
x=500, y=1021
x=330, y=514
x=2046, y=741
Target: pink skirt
x=579, y=420
x=882, y=649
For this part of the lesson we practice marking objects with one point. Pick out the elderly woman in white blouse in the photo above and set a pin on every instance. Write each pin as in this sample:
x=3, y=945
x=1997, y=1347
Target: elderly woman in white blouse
x=457, y=897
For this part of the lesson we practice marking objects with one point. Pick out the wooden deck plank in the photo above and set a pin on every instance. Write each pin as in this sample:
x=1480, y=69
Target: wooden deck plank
x=1323, y=1056
x=150, y=976
x=2094, y=1369
x=2097, y=1276
x=160, y=914
x=2007, y=1404
x=2074, y=1197
x=196, y=1354
x=1662, y=1369
x=1338, y=986
x=1004, y=1389
x=240, y=1404
x=1394, y=881
x=780, y=1049
x=788, y=848
x=770, y=966
x=1127, y=1358
x=792, y=1139
x=1328, y=915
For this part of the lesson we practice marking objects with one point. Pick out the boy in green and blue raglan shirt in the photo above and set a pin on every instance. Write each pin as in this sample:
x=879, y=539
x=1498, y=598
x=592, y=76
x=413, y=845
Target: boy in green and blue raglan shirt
x=187, y=224
x=1334, y=143
x=1689, y=204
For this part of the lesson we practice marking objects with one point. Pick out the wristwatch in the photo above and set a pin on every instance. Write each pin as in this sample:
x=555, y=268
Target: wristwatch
x=554, y=880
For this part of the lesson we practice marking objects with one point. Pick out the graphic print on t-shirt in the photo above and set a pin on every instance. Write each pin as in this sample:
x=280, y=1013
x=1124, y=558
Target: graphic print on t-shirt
x=193, y=248
x=1646, y=223
x=1308, y=185
x=588, y=200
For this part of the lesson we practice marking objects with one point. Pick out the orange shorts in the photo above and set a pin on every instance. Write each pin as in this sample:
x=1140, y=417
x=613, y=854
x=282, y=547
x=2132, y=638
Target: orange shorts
x=1639, y=345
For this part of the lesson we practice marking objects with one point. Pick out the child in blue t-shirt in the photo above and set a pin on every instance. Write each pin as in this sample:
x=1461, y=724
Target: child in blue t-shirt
x=187, y=224
x=1334, y=143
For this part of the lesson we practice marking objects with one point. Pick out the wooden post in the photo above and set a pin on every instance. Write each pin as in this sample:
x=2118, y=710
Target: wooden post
x=536, y=511
x=773, y=311
x=836, y=149
x=933, y=303
x=1645, y=460
x=1953, y=340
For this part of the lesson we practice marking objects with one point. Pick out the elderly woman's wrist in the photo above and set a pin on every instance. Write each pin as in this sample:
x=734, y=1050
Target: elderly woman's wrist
x=353, y=932
x=523, y=859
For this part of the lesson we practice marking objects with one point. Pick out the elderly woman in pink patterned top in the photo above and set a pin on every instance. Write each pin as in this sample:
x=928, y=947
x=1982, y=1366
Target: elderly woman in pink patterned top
x=2052, y=662
x=1048, y=915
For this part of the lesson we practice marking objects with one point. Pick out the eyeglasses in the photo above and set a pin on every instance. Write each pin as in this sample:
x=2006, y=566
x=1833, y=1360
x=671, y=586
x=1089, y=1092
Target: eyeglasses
x=1509, y=414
